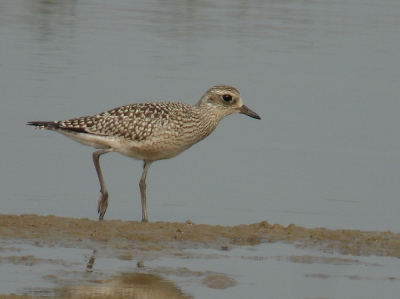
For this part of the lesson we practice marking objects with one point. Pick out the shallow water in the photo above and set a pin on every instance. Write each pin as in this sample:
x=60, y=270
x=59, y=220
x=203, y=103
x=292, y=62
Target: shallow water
x=80, y=258
x=272, y=270
x=322, y=75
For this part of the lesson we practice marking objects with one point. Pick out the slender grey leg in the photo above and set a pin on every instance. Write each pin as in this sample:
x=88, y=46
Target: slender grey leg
x=142, y=185
x=103, y=200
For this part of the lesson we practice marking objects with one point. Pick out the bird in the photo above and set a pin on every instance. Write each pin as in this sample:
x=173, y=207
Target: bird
x=149, y=131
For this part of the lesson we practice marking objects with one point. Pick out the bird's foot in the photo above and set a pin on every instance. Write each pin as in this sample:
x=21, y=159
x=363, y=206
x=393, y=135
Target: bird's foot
x=102, y=204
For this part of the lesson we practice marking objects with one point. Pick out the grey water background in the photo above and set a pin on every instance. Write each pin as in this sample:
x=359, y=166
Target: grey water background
x=323, y=75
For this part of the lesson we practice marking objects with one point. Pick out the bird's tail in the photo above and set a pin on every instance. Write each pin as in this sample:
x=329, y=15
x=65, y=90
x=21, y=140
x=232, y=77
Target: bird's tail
x=44, y=125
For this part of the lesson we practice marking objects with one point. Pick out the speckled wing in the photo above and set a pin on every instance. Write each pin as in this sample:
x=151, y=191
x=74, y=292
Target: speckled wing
x=131, y=122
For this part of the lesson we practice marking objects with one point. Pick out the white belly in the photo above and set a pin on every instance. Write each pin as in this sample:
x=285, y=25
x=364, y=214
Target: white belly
x=150, y=150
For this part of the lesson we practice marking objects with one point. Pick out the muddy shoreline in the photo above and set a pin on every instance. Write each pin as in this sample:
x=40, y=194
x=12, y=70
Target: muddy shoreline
x=164, y=236
x=135, y=242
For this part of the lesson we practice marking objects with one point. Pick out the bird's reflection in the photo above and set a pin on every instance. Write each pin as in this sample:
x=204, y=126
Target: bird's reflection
x=126, y=285
x=90, y=263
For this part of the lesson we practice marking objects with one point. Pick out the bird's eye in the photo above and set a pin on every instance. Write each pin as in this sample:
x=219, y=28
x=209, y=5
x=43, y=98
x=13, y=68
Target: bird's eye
x=227, y=98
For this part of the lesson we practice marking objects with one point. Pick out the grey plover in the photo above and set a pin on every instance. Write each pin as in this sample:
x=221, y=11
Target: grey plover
x=149, y=131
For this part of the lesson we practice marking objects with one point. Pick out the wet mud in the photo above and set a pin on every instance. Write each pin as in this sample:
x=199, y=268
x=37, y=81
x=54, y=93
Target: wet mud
x=169, y=237
x=132, y=240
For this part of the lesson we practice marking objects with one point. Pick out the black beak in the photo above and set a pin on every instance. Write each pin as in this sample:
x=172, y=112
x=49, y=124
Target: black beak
x=248, y=112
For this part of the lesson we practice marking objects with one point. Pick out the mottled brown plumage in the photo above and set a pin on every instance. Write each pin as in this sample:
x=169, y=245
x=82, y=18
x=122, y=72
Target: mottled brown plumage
x=149, y=131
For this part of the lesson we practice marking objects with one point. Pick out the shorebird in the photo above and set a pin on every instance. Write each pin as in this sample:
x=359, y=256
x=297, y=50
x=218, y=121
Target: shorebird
x=149, y=131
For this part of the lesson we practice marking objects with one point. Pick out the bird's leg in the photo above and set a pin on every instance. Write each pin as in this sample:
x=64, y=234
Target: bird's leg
x=142, y=185
x=103, y=200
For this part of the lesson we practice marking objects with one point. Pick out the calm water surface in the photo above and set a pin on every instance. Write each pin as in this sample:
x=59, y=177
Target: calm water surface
x=265, y=271
x=323, y=75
